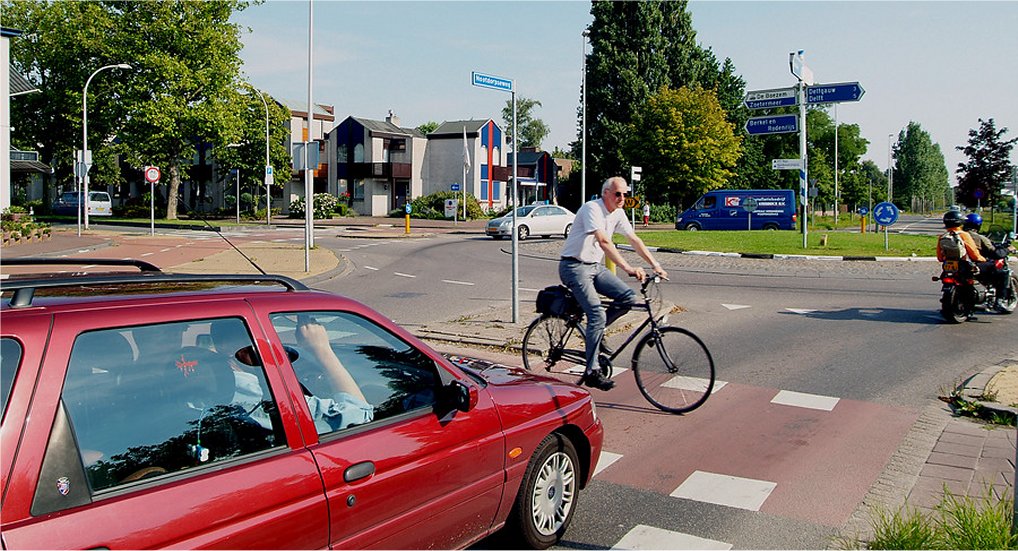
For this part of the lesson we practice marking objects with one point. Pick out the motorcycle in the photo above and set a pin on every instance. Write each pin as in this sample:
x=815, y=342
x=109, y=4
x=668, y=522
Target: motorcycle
x=962, y=292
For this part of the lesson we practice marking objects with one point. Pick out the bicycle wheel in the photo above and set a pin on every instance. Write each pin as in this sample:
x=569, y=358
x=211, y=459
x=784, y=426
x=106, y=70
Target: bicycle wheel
x=554, y=344
x=673, y=369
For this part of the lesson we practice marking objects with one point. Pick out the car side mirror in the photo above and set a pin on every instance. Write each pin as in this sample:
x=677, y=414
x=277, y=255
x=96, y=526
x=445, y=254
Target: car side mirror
x=457, y=396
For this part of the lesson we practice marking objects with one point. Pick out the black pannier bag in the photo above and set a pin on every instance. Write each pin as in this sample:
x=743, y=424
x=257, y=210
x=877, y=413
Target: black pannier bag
x=557, y=300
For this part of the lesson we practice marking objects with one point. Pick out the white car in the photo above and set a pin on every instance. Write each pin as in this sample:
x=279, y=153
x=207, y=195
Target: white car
x=543, y=220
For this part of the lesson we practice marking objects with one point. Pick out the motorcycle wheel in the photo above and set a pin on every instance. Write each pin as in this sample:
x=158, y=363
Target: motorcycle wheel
x=953, y=306
x=1008, y=302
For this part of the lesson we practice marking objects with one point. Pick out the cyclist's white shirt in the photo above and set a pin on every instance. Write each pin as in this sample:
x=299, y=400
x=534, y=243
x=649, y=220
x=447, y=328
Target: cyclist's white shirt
x=581, y=243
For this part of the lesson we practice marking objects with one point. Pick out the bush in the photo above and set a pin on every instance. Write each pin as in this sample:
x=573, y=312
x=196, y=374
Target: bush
x=432, y=207
x=324, y=205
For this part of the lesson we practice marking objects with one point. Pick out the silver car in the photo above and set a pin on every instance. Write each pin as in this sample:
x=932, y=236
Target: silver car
x=543, y=220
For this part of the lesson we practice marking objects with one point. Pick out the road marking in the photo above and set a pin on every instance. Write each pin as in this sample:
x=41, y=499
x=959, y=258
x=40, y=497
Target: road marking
x=801, y=310
x=803, y=400
x=736, y=306
x=578, y=370
x=166, y=249
x=82, y=250
x=605, y=461
x=529, y=290
x=87, y=266
x=148, y=254
x=695, y=384
x=5, y=276
x=649, y=537
x=454, y=282
x=372, y=268
x=400, y=274
x=722, y=489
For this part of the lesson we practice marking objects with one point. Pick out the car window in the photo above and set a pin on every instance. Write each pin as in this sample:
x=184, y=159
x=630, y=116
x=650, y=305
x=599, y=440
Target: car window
x=10, y=359
x=523, y=211
x=353, y=371
x=155, y=399
x=98, y=196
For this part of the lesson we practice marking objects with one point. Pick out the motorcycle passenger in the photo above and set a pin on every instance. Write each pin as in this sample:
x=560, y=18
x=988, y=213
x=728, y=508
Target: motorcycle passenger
x=953, y=221
x=988, y=271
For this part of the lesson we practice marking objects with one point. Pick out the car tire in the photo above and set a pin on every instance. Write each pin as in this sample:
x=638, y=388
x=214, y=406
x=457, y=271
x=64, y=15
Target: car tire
x=565, y=233
x=523, y=232
x=547, y=498
x=692, y=226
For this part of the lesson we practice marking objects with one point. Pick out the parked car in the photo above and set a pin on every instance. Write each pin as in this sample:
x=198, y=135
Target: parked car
x=724, y=209
x=543, y=220
x=99, y=203
x=156, y=410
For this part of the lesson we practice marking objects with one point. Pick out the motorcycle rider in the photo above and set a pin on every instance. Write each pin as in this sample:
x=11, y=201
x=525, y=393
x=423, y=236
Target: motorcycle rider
x=988, y=270
x=953, y=221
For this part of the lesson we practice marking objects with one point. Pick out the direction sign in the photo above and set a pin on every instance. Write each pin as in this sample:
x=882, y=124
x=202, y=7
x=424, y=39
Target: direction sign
x=765, y=99
x=834, y=93
x=409, y=208
x=786, y=164
x=885, y=213
x=777, y=124
x=454, y=187
x=632, y=202
x=491, y=81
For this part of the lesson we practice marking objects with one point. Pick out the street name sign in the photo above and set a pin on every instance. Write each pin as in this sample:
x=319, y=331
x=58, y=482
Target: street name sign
x=766, y=99
x=834, y=93
x=491, y=81
x=777, y=124
x=786, y=164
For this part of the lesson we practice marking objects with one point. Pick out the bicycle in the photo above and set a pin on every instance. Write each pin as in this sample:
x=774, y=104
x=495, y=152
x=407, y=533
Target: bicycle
x=673, y=368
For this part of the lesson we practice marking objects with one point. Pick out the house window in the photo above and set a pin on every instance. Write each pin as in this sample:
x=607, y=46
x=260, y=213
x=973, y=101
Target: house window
x=342, y=154
x=358, y=190
x=358, y=153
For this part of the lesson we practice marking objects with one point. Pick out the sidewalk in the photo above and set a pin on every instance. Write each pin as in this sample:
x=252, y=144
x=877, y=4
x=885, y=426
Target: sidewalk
x=966, y=456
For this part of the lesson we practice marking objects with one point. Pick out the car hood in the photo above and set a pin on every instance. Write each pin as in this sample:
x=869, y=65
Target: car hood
x=514, y=387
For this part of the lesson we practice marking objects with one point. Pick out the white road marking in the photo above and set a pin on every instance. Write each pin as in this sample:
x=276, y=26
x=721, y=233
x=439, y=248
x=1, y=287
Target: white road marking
x=372, y=268
x=736, y=306
x=722, y=489
x=649, y=537
x=695, y=384
x=89, y=266
x=606, y=460
x=801, y=310
x=803, y=400
x=148, y=254
x=166, y=249
x=529, y=290
x=400, y=274
x=454, y=282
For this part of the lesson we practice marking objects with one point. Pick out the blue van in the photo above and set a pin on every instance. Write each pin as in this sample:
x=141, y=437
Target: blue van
x=722, y=209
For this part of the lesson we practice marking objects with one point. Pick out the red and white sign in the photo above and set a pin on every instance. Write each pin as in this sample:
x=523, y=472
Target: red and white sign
x=152, y=174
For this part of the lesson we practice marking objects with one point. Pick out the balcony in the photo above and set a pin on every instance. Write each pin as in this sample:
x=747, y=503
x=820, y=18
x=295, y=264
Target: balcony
x=380, y=171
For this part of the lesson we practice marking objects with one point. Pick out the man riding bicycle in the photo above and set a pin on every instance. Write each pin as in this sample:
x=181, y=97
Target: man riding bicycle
x=581, y=270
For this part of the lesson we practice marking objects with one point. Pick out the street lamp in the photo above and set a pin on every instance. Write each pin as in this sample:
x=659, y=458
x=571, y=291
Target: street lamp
x=890, y=168
x=237, y=170
x=268, y=169
x=583, y=137
x=86, y=155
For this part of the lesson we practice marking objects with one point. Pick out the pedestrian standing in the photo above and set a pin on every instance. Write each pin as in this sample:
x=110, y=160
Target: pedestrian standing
x=646, y=214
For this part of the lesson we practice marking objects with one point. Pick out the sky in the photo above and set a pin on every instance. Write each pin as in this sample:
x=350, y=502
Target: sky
x=943, y=65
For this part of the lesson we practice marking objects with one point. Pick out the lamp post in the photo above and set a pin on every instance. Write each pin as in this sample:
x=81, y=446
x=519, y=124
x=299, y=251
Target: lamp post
x=583, y=137
x=85, y=153
x=890, y=168
x=268, y=167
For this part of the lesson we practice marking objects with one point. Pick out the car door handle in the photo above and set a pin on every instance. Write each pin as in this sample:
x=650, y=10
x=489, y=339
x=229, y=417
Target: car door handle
x=358, y=471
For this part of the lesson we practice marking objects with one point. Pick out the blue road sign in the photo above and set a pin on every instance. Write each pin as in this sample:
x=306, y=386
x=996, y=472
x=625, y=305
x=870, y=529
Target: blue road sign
x=863, y=211
x=408, y=208
x=766, y=99
x=834, y=93
x=454, y=187
x=885, y=213
x=777, y=124
x=491, y=81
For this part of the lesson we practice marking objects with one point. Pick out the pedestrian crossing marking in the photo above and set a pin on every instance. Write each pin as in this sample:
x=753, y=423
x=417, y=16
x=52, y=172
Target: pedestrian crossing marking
x=695, y=384
x=736, y=306
x=606, y=460
x=721, y=489
x=803, y=400
x=649, y=537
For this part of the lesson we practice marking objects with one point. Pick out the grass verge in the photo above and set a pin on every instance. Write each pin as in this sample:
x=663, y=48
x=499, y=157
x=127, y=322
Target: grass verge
x=790, y=242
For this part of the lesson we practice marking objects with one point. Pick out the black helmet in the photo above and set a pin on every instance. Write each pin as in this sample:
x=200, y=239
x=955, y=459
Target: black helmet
x=953, y=219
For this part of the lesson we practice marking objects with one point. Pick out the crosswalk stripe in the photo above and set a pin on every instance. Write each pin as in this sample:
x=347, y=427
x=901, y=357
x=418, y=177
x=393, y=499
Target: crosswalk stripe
x=722, y=489
x=803, y=400
x=401, y=274
x=605, y=461
x=649, y=537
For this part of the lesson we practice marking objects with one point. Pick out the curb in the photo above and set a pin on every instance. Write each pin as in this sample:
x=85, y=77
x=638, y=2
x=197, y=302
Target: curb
x=973, y=389
x=769, y=256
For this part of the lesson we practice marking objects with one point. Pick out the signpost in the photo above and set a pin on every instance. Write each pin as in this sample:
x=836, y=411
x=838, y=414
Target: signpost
x=503, y=84
x=885, y=214
x=767, y=99
x=634, y=176
x=775, y=124
x=834, y=93
x=152, y=176
x=786, y=164
x=749, y=205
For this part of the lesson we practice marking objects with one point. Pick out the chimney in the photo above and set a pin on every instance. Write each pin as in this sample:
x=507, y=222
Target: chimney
x=392, y=118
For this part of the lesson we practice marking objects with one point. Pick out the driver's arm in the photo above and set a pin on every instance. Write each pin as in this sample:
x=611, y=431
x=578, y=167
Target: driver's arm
x=313, y=336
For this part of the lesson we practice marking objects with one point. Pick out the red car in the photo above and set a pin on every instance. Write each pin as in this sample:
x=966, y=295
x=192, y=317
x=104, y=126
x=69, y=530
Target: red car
x=153, y=410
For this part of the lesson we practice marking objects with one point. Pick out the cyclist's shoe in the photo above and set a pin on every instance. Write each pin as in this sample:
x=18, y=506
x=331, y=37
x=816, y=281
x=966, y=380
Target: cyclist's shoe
x=597, y=380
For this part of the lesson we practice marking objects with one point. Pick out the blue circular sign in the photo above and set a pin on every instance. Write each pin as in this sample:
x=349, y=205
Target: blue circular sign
x=408, y=208
x=863, y=211
x=885, y=213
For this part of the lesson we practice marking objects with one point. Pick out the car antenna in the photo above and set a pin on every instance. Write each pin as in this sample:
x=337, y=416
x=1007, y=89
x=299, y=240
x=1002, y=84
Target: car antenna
x=215, y=229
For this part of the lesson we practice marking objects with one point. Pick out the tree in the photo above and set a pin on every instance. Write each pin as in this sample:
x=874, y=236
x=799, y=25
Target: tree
x=181, y=92
x=988, y=167
x=428, y=127
x=684, y=144
x=532, y=130
x=920, y=172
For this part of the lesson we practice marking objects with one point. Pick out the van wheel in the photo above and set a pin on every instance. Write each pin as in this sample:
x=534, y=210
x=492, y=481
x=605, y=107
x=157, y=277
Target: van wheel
x=692, y=226
x=771, y=226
